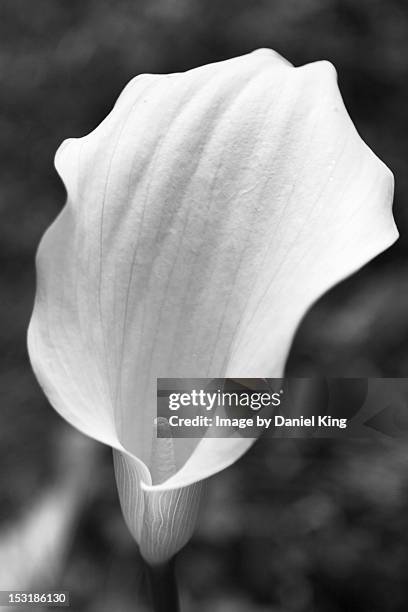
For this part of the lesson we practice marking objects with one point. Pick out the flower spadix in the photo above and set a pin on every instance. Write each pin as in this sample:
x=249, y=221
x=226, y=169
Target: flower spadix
x=204, y=215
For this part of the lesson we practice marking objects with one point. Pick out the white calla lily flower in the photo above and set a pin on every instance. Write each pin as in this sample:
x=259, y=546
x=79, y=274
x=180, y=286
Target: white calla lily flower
x=204, y=216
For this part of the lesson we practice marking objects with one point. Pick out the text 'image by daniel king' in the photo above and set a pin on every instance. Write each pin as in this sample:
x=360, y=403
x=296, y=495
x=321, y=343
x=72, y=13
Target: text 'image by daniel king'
x=204, y=306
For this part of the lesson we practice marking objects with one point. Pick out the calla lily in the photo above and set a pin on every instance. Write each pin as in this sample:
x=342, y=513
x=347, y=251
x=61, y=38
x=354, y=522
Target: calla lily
x=204, y=215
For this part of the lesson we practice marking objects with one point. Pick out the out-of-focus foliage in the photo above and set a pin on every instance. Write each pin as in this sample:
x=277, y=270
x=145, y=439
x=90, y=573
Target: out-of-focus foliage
x=293, y=526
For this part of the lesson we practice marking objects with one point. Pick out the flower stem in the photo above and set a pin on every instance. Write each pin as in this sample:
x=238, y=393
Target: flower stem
x=163, y=587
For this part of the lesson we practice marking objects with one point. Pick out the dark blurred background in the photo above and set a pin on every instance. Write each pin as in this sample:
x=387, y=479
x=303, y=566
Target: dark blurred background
x=295, y=525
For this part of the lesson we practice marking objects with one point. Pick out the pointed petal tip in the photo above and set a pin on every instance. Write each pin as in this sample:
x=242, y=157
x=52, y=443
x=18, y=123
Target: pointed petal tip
x=272, y=55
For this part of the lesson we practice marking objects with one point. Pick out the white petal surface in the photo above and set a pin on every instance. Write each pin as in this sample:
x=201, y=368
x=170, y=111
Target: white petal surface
x=204, y=216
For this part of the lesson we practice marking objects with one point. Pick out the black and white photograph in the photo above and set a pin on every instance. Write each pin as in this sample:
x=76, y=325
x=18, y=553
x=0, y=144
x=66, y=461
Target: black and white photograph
x=204, y=306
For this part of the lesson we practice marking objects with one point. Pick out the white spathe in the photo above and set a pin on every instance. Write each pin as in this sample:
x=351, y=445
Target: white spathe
x=204, y=215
